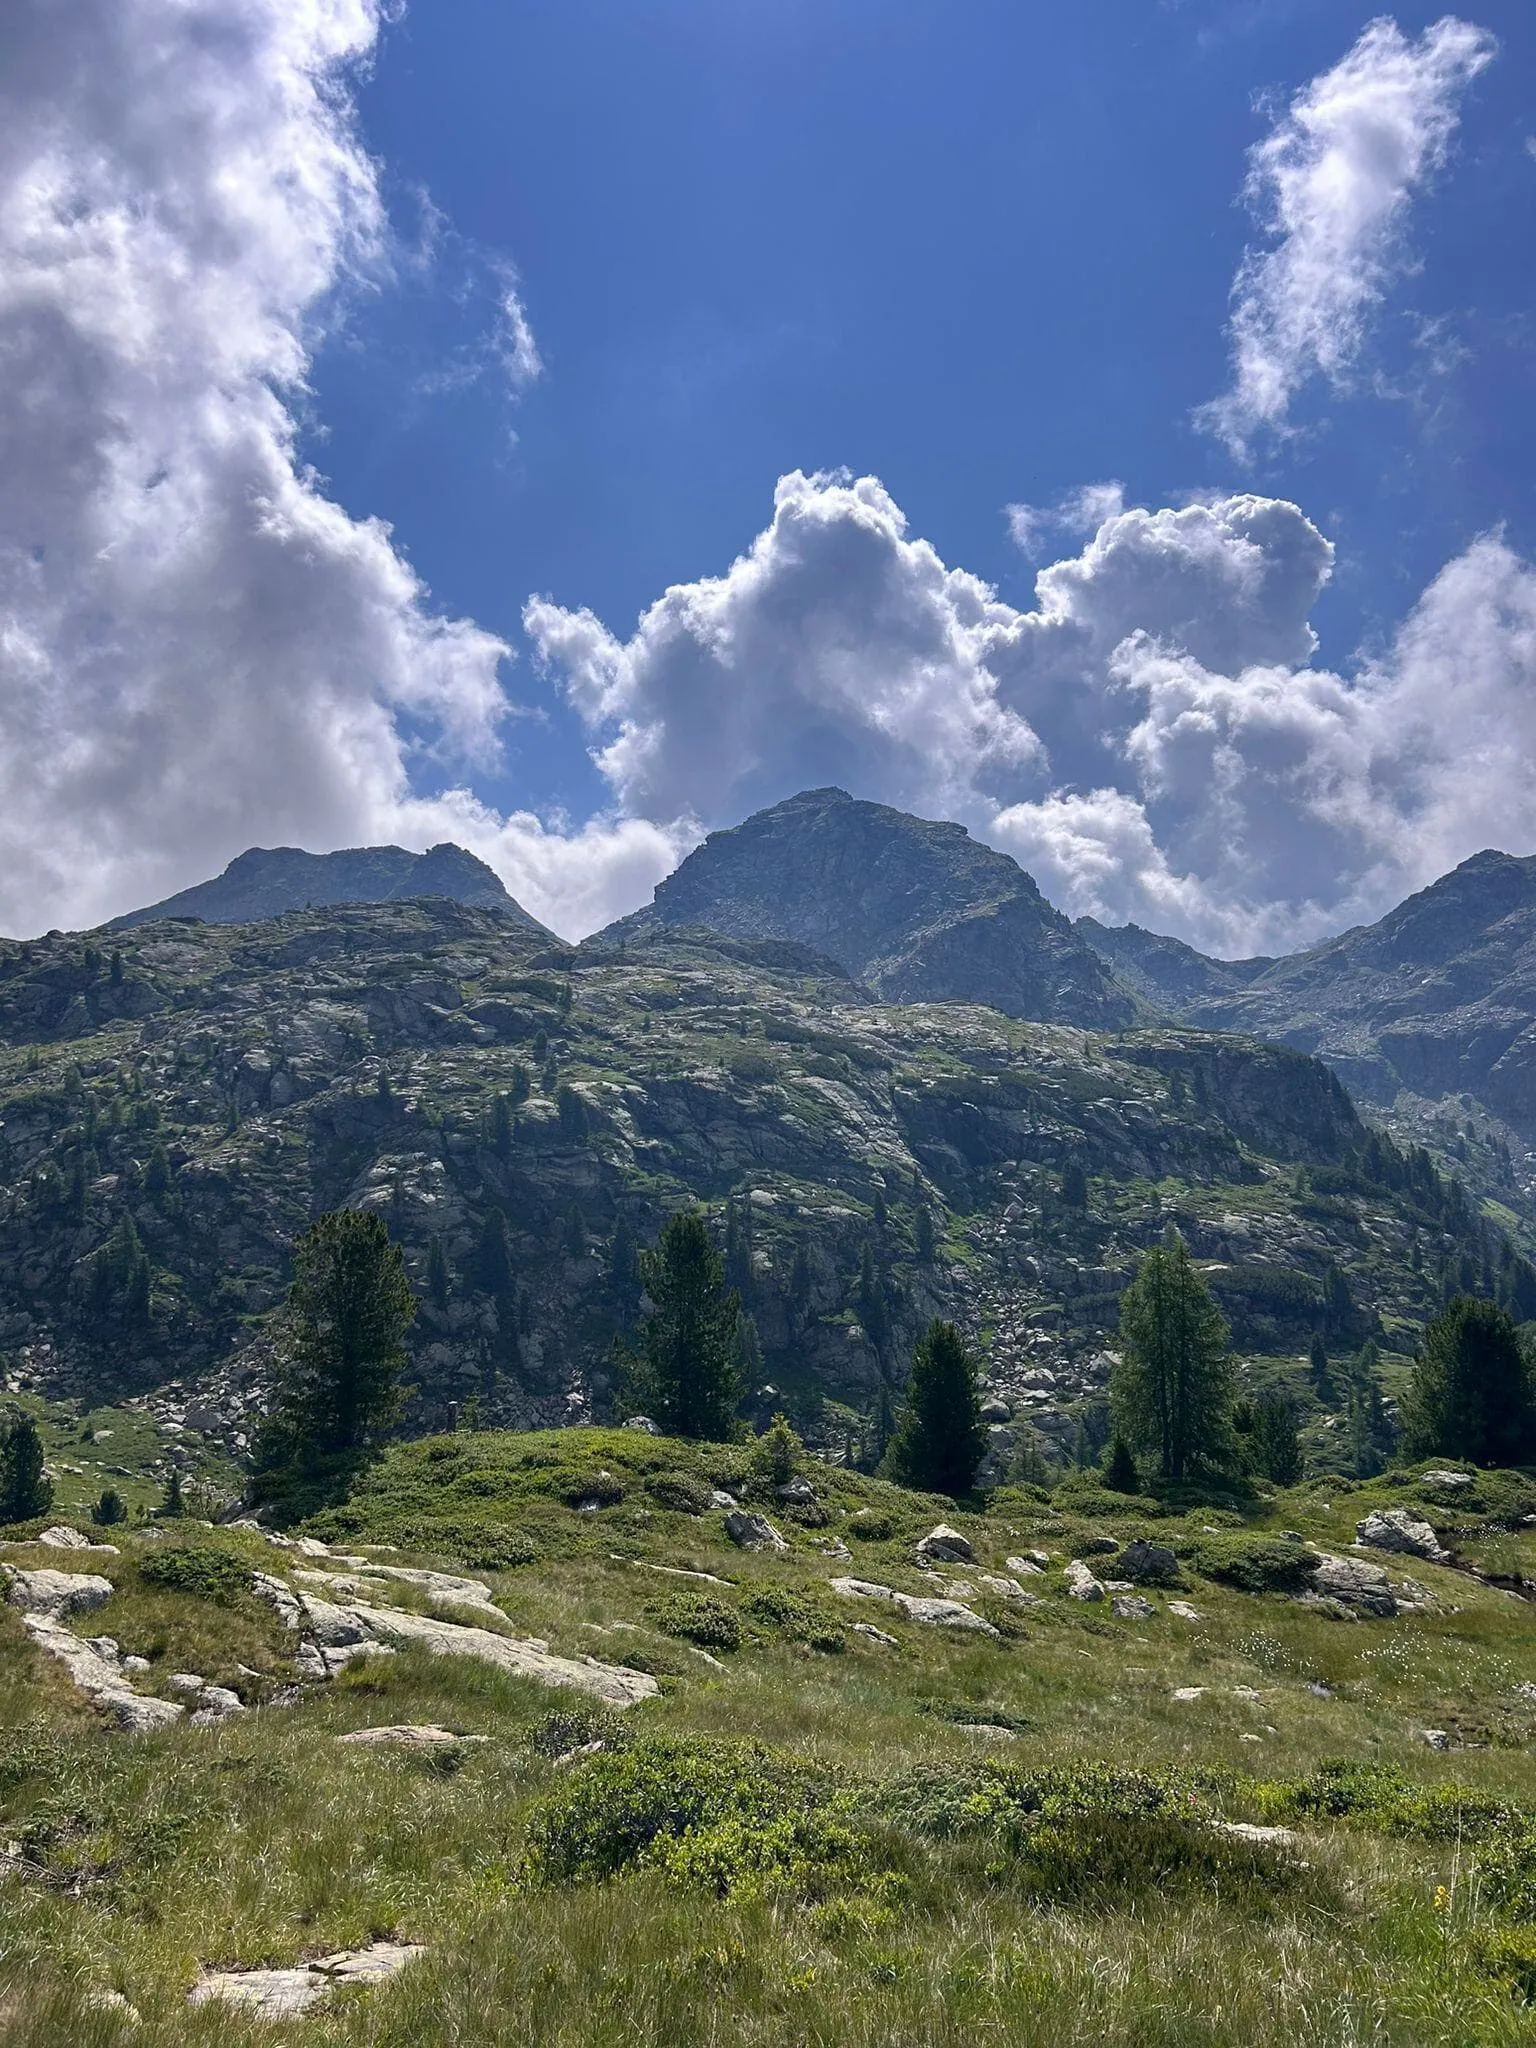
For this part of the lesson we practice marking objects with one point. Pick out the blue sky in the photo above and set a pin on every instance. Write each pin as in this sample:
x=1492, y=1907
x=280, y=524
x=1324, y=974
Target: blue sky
x=981, y=251
x=337, y=338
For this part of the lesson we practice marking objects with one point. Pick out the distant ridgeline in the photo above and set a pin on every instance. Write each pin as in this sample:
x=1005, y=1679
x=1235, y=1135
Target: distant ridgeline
x=268, y=881
x=865, y=1044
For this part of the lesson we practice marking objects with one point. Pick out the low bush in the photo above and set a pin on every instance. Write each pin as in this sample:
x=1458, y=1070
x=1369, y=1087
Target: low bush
x=1252, y=1564
x=871, y=1525
x=799, y=1616
x=734, y=1819
x=680, y=1492
x=568, y=1728
x=698, y=1618
x=583, y=1489
x=201, y=1569
x=468, y=1539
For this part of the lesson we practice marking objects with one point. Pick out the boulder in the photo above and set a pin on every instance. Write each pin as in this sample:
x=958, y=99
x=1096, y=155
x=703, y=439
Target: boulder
x=943, y=1545
x=753, y=1532
x=1147, y=1564
x=1447, y=1482
x=55, y=1594
x=216, y=1703
x=1026, y=1567
x=876, y=1635
x=62, y=1537
x=1008, y=1589
x=1398, y=1529
x=642, y=1422
x=1098, y=1546
x=796, y=1493
x=1081, y=1584
x=1183, y=1610
x=1354, y=1583
x=996, y=1410
x=1131, y=1607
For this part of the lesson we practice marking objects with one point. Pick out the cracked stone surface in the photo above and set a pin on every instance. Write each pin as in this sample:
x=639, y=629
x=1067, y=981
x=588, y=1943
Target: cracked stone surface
x=932, y=1613
x=99, y=1679
x=283, y=1994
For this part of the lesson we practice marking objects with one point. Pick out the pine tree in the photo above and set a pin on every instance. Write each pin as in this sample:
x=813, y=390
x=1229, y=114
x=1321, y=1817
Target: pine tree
x=681, y=1372
x=439, y=1283
x=882, y=1214
x=869, y=1297
x=1471, y=1393
x=171, y=1502
x=747, y=1352
x=1370, y=1429
x=1319, y=1373
x=109, y=1508
x=349, y=1308
x=738, y=1248
x=1276, y=1445
x=800, y=1278
x=1172, y=1390
x=623, y=1268
x=501, y=1127
x=26, y=1491
x=941, y=1438
x=157, y=1176
x=922, y=1231
x=1074, y=1186
x=493, y=1257
x=1120, y=1474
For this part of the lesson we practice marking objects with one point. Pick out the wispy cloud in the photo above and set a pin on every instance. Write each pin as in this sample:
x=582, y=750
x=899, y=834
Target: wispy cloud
x=1078, y=512
x=1332, y=185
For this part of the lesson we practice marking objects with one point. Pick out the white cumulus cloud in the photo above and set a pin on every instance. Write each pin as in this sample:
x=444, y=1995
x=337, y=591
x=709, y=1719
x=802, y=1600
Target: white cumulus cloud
x=1332, y=186
x=1155, y=739
x=199, y=650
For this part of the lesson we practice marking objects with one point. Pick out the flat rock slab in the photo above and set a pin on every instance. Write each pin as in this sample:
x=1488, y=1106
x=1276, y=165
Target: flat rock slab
x=101, y=1680
x=615, y=1684
x=443, y=1589
x=407, y=1735
x=944, y=1545
x=932, y=1613
x=282, y=1994
x=55, y=1594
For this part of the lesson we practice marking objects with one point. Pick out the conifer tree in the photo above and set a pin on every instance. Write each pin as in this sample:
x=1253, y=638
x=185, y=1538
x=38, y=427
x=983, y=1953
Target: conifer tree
x=1370, y=1429
x=747, y=1351
x=348, y=1310
x=738, y=1248
x=1319, y=1372
x=26, y=1491
x=1172, y=1390
x=922, y=1232
x=1276, y=1445
x=1120, y=1474
x=869, y=1298
x=681, y=1372
x=1471, y=1393
x=438, y=1280
x=941, y=1438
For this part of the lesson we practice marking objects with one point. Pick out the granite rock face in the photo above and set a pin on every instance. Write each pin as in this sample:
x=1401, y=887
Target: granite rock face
x=917, y=911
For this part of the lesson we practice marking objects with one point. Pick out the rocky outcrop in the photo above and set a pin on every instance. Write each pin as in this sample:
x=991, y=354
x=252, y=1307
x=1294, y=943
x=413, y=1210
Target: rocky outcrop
x=96, y=1671
x=932, y=1613
x=1354, y=1584
x=1398, y=1529
x=752, y=1532
x=54, y=1594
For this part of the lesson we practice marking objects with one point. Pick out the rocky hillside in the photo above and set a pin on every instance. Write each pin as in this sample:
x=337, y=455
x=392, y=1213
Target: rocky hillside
x=1428, y=1016
x=917, y=911
x=267, y=881
x=593, y=1735
x=173, y=1114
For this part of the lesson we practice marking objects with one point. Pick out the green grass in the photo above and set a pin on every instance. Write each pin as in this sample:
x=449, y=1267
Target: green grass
x=955, y=1840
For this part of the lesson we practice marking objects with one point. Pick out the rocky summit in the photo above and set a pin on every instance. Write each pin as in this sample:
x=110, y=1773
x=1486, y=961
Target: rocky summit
x=267, y=881
x=1429, y=1015
x=919, y=912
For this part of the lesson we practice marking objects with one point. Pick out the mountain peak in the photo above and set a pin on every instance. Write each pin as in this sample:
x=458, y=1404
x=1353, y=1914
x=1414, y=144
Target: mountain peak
x=266, y=881
x=915, y=908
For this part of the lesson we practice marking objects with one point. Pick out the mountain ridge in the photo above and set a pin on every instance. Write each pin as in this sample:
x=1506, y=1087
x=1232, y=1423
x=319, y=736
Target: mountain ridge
x=914, y=908
x=268, y=881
